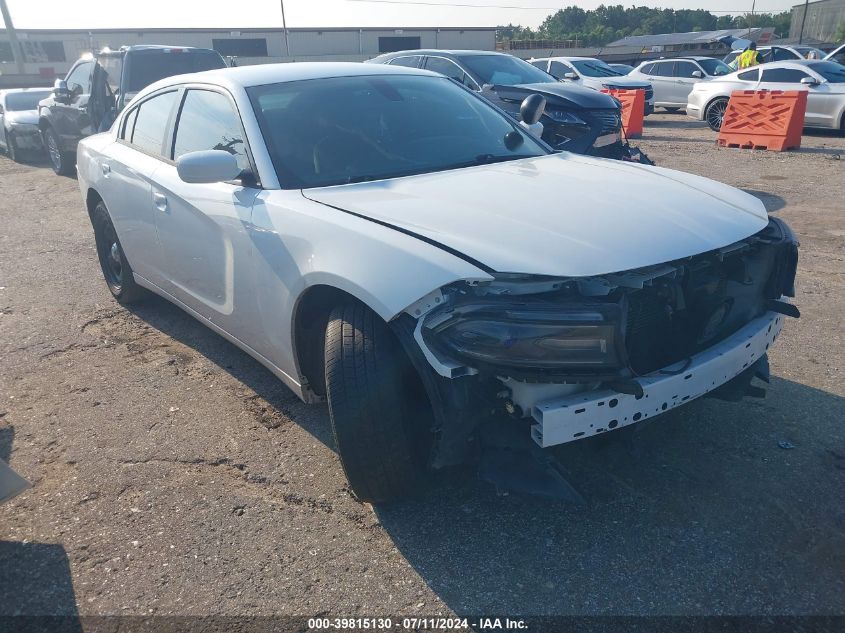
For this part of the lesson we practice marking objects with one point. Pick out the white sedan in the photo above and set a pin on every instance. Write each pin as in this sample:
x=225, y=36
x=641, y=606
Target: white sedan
x=382, y=238
x=824, y=80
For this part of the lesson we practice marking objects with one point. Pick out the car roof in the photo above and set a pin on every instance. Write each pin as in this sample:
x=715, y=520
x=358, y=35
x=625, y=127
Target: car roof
x=262, y=74
x=441, y=51
x=571, y=59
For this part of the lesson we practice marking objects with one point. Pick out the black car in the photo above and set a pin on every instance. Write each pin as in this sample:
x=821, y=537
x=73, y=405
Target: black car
x=98, y=87
x=576, y=119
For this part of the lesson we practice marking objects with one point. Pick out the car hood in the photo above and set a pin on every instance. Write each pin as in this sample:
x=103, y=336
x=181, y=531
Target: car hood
x=624, y=82
x=564, y=215
x=557, y=93
x=22, y=117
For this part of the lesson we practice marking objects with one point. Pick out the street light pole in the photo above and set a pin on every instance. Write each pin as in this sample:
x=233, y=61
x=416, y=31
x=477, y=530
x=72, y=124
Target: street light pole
x=803, y=20
x=17, y=53
x=284, y=27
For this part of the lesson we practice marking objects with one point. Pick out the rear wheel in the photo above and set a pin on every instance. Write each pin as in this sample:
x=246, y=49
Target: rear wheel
x=380, y=415
x=61, y=162
x=116, y=270
x=715, y=113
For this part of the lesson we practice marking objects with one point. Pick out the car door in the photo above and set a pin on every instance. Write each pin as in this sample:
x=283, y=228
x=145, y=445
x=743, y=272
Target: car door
x=70, y=118
x=126, y=186
x=820, y=102
x=685, y=79
x=663, y=80
x=202, y=227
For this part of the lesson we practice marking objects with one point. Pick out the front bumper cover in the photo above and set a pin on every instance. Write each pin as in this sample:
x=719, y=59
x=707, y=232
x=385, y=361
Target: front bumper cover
x=577, y=416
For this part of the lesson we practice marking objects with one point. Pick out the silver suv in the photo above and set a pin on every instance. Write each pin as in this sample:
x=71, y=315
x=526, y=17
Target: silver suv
x=673, y=79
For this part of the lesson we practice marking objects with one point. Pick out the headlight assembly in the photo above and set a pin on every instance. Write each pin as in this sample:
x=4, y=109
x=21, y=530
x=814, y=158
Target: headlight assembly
x=562, y=116
x=537, y=335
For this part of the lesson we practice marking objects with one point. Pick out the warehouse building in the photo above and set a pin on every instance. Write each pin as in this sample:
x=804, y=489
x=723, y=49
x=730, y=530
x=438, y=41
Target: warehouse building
x=824, y=19
x=51, y=52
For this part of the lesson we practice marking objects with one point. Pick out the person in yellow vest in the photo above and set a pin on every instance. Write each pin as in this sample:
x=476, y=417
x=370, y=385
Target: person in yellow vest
x=750, y=57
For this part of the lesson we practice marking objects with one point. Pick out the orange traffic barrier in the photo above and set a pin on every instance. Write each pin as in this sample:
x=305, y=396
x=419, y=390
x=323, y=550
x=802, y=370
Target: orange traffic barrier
x=766, y=119
x=633, y=110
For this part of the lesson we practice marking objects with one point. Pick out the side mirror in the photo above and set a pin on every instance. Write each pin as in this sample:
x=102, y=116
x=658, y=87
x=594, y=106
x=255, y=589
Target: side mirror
x=532, y=109
x=697, y=74
x=810, y=81
x=207, y=167
x=571, y=76
x=60, y=91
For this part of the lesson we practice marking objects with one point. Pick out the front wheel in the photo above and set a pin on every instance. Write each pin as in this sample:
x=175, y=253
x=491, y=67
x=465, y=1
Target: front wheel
x=715, y=113
x=116, y=270
x=12, y=148
x=61, y=162
x=380, y=415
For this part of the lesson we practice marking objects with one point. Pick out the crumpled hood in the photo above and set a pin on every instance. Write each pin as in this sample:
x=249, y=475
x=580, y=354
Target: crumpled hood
x=22, y=117
x=562, y=214
x=560, y=94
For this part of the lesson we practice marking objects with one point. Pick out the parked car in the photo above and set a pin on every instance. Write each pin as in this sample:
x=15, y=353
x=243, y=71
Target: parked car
x=594, y=73
x=19, y=120
x=837, y=55
x=576, y=119
x=382, y=238
x=99, y=86
x=673, y=79
x=622, y=69
x=825, y=82
x=780, y=54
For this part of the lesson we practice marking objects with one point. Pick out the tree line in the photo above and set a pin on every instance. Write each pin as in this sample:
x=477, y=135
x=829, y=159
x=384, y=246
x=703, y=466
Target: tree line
x=607, y=23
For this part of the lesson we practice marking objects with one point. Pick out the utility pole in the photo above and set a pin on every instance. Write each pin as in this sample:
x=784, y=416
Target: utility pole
x=803, y=21
x=284, y=27
x=17, y=52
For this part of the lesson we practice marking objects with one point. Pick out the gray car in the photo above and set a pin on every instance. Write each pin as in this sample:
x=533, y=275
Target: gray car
x=19, y=120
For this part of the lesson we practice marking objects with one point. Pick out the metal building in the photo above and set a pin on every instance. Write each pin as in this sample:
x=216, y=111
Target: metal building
x=51, y=52
x=824, y=19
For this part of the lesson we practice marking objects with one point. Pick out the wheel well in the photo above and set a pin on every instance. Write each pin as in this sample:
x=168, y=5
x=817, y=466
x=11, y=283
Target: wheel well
x=91, y=200
x=309, y=326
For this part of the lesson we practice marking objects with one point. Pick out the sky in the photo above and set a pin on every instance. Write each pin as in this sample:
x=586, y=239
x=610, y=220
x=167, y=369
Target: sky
x=75, y=14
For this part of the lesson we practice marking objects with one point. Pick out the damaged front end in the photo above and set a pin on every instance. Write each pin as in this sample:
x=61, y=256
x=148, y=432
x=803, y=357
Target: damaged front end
x=573, y=357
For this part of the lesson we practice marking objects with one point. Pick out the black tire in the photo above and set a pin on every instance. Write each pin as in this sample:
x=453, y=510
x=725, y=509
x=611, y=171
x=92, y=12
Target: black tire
x=61, y=162
x=672, y=110
x=715, y=112
x=12, y=148
x=380, y=415
x=115, y=267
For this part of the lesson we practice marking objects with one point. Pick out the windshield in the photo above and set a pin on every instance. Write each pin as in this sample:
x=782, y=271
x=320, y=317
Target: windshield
x=833, y=72
x=341, y=130
x=505, y=70
x=19, y=101
x=714, y=67
x=148, y=67
x=594, y=68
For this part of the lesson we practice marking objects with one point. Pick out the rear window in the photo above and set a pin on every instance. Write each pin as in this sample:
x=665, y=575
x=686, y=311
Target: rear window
x=144, y=68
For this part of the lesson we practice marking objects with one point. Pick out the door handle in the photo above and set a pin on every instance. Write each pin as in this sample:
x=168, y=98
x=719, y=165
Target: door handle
x=106, y=169
x=160, y=201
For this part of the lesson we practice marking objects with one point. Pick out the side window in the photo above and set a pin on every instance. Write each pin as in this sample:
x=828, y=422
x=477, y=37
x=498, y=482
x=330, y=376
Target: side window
x=780, y=55
x=129, y=125
x=409, y=61
x=79, y=79
x=783, y=75
x=750, y=75
x=450, y=69
x=151, y=122
x=663, y=69
x=558, y=70
x=542, y=64
x=208, y=121
x=685, y=69
x=647, y=69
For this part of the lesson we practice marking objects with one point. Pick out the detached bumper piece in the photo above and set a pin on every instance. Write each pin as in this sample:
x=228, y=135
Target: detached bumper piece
x=571, y=418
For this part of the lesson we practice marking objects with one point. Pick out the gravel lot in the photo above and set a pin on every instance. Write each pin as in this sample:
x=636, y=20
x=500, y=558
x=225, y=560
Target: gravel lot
x=174, y=475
